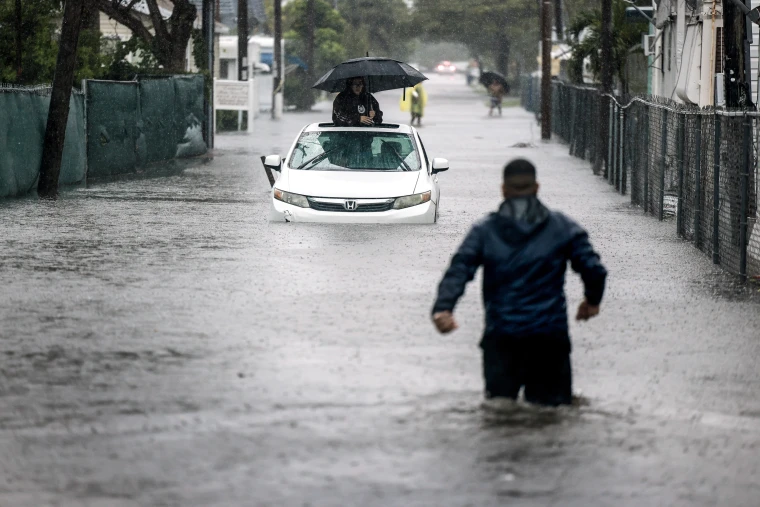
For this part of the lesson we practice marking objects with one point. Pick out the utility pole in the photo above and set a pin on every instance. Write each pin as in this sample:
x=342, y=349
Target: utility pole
x=558, y=20
x=277, y=85
x=242, y=27
x=737, y=60
x=60, y=96
x=606, y=71
x=546, y=69
x=207, y=22
x=310, y=27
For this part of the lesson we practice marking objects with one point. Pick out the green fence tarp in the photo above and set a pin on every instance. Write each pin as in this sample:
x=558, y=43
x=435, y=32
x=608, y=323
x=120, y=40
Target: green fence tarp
x=23, y=118
x=189, y=115
x=114, y=144
x=129, y=125
x=157, y=100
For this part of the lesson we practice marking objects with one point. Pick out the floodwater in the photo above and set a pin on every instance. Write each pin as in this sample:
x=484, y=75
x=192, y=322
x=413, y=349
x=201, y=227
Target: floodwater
x=163, y=344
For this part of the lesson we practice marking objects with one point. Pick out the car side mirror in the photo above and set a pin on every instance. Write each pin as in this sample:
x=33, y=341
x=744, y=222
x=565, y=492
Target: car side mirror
x=273, y=162
x=440, y=165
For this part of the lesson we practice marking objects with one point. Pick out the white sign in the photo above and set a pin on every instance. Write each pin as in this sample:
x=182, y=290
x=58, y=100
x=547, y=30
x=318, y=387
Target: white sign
x=231, y=95
x=236, y=96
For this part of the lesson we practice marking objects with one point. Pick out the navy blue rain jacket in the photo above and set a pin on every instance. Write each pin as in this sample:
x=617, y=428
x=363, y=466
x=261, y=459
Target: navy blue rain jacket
x=524, y=249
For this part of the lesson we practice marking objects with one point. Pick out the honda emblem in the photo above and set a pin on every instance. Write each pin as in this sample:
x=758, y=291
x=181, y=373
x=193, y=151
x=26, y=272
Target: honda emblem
x=350, y=205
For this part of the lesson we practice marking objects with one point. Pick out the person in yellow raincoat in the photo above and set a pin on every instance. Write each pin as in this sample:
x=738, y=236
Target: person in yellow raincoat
x=414, y=100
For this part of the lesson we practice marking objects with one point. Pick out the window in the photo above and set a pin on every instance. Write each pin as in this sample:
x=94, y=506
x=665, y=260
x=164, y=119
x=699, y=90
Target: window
x=355, y=151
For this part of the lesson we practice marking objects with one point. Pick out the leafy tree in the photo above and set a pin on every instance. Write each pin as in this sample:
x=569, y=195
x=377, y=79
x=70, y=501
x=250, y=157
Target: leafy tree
x=38, y=52
x=165, y=38
x=378, y=28
x=39, y=44
x=503, y=31
x=328, y=50
x=585, y=38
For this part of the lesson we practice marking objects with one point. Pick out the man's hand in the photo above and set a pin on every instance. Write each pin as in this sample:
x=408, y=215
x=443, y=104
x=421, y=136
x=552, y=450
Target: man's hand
x=366, y=120
x=444, y=322
x=586, y=311
x=372, y=113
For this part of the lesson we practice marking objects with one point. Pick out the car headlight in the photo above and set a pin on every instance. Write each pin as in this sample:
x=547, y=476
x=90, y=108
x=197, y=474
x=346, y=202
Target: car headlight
x=411, y=200
x=294, y=199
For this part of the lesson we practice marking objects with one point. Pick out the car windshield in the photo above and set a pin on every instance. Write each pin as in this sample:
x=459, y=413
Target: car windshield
x=355, y=151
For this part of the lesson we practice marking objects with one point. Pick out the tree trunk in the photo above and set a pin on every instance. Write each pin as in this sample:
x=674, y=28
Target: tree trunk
x=502, y=59
x=58, y=113
x=90, y=16
x=19, y=46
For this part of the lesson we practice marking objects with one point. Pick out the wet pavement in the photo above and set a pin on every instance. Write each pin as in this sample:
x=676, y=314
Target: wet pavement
x=164, y=345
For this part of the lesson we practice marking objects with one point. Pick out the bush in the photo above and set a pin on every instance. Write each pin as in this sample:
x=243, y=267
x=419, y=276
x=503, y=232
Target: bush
x=228, y=121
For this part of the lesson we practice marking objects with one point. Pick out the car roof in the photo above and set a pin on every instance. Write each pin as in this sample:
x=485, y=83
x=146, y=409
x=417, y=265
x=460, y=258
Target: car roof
x=383, y=127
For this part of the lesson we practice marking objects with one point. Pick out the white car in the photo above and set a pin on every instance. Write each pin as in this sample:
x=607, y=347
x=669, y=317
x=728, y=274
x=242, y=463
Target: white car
x=379, y=174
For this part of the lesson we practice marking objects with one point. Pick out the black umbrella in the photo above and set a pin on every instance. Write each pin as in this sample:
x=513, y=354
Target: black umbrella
x=486, y=78
x=379, y=73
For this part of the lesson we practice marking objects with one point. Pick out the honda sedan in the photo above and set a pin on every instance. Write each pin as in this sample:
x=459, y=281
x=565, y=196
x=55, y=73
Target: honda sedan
x=379, y=174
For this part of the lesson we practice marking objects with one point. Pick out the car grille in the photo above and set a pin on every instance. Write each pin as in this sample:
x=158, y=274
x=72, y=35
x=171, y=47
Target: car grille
x=361, y=207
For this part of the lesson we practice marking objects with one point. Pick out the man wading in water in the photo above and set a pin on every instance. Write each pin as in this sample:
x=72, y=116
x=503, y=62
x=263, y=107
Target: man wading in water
x=524, y=248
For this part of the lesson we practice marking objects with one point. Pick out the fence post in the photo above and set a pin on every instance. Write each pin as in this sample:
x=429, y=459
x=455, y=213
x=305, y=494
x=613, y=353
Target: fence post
x=698, y=185
x=744, y=188
x=680, y=141
x=716, y=192
x=663, y=155
x=621, y=151
x=647, y=163
x=610, y=135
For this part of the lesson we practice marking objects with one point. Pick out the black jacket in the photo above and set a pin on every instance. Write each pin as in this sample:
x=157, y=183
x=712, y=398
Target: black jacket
x=524, y=249
x=348, y=107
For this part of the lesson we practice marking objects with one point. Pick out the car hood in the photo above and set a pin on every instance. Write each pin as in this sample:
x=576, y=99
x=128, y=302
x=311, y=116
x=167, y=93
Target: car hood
x=355, y=184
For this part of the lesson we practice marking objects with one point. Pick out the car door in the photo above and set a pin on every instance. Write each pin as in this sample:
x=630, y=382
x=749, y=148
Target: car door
x=429, y=170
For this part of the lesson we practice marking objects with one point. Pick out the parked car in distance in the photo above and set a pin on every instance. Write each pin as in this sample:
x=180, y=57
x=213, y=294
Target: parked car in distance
x=379, y=174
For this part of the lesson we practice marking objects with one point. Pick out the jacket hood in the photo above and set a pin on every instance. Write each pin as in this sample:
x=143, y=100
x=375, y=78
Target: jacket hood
x=519, y=218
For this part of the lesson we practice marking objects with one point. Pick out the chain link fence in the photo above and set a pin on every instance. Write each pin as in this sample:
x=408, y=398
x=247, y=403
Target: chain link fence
x=698, y=167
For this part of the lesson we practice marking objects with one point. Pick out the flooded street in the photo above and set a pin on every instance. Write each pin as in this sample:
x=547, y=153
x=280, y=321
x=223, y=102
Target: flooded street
x=163, y=344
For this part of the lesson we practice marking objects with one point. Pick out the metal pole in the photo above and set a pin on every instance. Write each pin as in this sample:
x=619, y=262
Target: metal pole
x=744, y=188
x=242, y=52
x=698, y=186
x=663, y=154
x=680, y=154
x=276, y=92
x=631, y=152
x=647, y=162
x=621, y=165
x=606, y=78
x=208, y=35
x=546, y=74
x=610, y=143
x=716, y=192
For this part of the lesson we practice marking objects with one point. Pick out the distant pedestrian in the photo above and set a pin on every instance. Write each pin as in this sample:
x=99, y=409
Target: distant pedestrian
x=496, y=92
x=414, y=101
x=524, y=248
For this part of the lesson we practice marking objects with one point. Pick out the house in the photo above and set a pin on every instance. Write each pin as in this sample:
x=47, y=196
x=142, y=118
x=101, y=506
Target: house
x=686, y=52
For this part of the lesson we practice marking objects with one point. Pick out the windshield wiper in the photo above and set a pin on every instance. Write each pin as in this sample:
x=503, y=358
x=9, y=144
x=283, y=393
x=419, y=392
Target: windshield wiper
x=401, y=159
x=316, y=160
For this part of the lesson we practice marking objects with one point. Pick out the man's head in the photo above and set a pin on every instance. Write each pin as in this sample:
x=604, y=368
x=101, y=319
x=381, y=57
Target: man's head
x=519, y=179
x=356, y=85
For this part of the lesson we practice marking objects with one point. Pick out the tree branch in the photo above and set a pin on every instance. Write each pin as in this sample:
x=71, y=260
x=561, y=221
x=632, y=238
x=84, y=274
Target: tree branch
x=159, y=25
x=124, y=14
